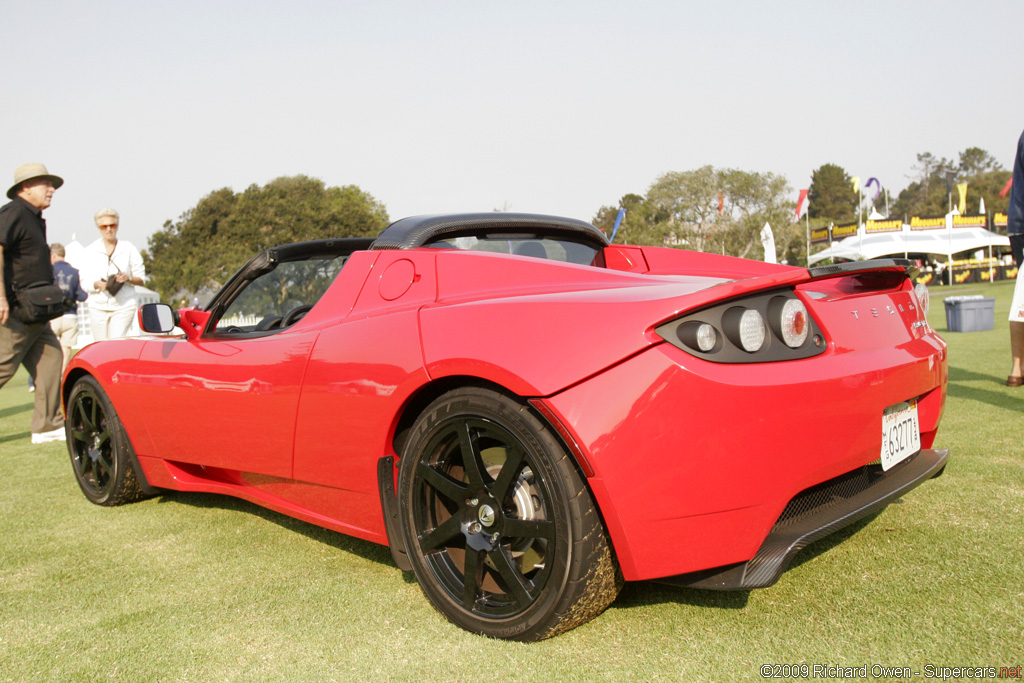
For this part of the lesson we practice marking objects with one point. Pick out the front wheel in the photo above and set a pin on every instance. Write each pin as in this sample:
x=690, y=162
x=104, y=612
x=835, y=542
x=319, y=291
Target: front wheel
x=101, y=454
x=500, y=529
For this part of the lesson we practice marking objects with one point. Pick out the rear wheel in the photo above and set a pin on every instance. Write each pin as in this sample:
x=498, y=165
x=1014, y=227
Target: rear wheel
x=502, y=533
x=101, y=454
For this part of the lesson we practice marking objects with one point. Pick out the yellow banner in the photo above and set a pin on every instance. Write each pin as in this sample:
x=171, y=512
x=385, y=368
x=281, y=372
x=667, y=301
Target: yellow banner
x=895, y=225
x=970, y=222
x=1000, y=220
x=927, y=222
x=841, y=231
x=819, y=235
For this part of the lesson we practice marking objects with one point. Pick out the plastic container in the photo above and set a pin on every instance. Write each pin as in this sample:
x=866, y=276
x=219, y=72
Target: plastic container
x=970, y=313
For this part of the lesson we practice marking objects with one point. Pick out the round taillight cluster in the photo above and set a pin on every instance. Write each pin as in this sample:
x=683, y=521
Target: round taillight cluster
x=923, y=298
x=792, y=324
x=773, y=326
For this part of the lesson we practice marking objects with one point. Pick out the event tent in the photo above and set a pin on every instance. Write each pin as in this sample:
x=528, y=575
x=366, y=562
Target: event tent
x=944, y=241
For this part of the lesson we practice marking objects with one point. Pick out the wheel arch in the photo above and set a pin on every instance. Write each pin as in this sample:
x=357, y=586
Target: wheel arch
x=415, y=405
x=78, y=373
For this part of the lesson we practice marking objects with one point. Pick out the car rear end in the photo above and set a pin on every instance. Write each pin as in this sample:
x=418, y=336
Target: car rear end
x=714, y=462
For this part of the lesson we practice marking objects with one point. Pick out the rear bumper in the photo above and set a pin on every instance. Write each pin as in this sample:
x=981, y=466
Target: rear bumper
x=816, y=513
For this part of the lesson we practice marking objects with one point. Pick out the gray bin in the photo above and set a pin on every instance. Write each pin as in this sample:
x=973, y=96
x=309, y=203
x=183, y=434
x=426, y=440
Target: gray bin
x=970, y=313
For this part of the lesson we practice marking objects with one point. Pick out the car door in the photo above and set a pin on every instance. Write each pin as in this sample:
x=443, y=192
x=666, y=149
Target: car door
x=229, y=397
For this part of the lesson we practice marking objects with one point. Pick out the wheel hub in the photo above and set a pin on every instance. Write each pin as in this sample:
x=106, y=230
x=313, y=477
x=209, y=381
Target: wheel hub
x=486, y=515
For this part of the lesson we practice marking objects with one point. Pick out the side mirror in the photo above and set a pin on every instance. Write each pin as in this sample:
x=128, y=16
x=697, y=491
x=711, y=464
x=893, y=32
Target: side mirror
x=157, y=318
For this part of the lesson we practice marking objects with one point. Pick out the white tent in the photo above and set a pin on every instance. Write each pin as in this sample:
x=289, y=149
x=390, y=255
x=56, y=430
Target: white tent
x=943, y=241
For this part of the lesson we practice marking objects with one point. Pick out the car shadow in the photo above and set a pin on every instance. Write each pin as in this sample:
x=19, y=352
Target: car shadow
x=633, y=594
x=335, y=539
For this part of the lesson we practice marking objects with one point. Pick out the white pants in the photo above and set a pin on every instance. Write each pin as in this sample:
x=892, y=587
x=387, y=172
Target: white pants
x=1017, y=307
x=111, y=324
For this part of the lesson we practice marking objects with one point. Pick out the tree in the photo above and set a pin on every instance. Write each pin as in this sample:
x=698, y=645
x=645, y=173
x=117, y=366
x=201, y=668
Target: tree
x=686, y=205
x=831, y=195
x=929, y=193
x=216, y=237
x=637, y=226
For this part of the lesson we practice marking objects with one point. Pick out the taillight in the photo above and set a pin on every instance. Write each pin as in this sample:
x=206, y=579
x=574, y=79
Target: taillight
x=923, y=298
x=766, y=327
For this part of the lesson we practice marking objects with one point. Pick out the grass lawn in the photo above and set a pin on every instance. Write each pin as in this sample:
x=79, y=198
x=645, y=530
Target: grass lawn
x=201, y=588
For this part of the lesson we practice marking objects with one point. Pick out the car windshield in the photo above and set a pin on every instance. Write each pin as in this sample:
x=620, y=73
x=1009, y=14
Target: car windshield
x=521, y=245
x=275, y=294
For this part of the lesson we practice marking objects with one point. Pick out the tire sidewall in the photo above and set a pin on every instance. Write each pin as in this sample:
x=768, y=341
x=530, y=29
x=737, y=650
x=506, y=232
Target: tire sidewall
x=546, y=455
x=117, y=442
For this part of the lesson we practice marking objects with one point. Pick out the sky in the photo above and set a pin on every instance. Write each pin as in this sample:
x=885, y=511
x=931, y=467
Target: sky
x=547, y=106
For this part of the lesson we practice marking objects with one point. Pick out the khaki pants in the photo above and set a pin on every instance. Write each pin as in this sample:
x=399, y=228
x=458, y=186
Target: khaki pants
x=35, y=347
x=66, y=330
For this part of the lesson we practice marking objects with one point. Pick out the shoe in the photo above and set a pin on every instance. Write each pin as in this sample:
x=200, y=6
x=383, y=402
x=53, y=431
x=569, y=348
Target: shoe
x=47, y=437
x=32, y=389
x=1014, y=381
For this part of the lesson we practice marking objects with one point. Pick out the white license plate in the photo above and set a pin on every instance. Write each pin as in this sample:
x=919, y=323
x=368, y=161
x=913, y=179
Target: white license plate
x=901, y=433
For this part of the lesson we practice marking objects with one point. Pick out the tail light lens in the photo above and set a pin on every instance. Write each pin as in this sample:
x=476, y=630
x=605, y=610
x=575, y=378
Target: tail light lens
x=763, y=328
x=923, y=298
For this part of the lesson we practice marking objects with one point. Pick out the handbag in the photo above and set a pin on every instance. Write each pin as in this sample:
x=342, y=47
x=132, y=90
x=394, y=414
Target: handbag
x=113, y=286
x=39, y=302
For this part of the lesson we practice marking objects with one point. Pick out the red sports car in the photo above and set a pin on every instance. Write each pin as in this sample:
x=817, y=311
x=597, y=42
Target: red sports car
x=525, y=413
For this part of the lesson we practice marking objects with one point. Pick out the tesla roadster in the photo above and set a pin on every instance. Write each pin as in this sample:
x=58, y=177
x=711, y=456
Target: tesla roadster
x=526, y=414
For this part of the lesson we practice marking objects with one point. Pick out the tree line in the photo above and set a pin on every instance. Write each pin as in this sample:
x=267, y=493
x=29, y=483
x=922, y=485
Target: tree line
x=705, y=209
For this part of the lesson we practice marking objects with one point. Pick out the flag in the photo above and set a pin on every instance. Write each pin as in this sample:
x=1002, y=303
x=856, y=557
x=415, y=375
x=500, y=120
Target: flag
x=768, y=240
x=1006, y=188
x=856, y=184
x=962, y=189
x=801, y=205
x=878, y=187
x=981, y=206
x=721, y=202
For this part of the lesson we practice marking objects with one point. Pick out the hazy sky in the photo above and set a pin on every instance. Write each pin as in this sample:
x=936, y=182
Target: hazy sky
x=544, y=106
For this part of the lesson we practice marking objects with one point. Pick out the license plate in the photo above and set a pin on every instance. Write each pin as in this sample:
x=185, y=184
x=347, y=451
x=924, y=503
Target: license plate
x=901, y=433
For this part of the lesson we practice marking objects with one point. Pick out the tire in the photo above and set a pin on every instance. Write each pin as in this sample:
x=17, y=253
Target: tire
x=487, y=491
x=101, y=455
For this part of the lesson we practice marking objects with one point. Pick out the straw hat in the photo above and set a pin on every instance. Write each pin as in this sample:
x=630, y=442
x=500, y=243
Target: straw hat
x=28, y=172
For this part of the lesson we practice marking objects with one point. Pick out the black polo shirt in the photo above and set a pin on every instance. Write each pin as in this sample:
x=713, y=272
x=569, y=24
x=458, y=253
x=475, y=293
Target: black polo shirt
x=26, y=253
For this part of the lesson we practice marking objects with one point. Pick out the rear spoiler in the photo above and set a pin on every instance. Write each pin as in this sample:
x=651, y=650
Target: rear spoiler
x=908, y=267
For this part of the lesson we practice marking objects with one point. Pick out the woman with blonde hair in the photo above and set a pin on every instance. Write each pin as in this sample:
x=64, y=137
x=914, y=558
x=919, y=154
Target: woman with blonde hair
x=114, y=267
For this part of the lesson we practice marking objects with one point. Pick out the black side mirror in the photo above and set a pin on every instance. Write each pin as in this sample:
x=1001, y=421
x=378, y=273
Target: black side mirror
x=157, y=318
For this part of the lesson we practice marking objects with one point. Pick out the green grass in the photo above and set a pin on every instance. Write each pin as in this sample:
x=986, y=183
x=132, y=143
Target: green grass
x=203, y=588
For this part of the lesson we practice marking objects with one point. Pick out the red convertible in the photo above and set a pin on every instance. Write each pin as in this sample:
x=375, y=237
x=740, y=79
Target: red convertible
x=526, y=414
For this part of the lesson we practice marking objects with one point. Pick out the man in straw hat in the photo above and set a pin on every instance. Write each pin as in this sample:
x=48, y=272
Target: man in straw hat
x=24, y=260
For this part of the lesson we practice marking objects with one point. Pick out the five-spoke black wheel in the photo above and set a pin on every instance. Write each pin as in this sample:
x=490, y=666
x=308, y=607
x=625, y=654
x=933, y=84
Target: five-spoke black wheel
x=501, y=531
x=101, y=454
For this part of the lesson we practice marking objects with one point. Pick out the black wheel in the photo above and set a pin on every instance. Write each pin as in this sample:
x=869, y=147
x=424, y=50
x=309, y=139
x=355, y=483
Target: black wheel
x=500, y=529
x=101, y=454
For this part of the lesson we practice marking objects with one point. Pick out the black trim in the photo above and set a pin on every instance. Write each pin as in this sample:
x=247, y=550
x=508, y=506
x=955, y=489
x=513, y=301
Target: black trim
x=418, y=231
x=860, y=266
x=389, y=506
x=796, y=530
x=268, y=259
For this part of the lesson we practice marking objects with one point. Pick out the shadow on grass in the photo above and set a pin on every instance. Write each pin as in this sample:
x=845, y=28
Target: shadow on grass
x=15, y=437
x=998, y=397
x=364, y=549
x=634, y=593
x=643, y=593
x=15, y=410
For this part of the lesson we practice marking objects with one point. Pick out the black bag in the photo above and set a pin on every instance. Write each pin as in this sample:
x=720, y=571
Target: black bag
x=113, y=286
x=39, y=302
